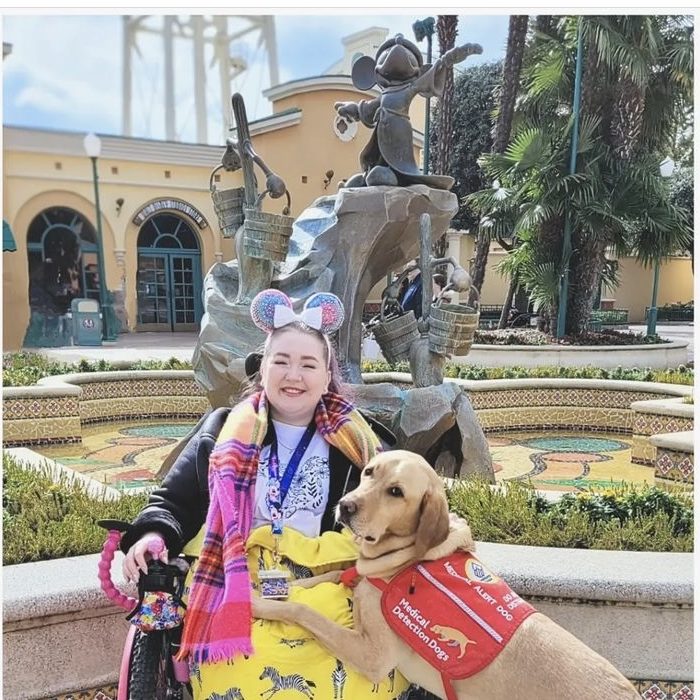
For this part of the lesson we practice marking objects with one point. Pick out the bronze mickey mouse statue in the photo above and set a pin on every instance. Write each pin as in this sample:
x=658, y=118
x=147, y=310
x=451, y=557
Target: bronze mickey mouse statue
x=399, y=71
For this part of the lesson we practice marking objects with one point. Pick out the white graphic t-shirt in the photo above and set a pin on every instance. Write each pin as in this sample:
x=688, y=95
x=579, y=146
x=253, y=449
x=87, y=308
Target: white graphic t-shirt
x=307, y=497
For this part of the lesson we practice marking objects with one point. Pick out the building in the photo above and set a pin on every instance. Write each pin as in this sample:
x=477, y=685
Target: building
x=160, y=231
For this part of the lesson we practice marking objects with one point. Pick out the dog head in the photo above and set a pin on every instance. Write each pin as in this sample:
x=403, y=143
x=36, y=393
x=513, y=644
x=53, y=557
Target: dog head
x=400, y=497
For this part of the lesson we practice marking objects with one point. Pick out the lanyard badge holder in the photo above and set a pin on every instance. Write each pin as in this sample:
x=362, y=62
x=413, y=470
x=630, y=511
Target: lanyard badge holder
x=274, y=583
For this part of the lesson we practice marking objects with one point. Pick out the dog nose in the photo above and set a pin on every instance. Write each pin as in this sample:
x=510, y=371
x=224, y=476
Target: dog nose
x=347, y=508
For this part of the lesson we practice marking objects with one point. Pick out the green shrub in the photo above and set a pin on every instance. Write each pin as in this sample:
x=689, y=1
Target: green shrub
x=626, y=518
x=47, y=519
x=171, y=363
x=26, y=368
x=682, y=375
x=511, y=336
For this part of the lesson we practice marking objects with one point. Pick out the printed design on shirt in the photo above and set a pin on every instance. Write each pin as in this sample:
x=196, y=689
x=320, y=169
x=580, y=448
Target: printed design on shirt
x=294, y=681
x=338, y=678
x=231, y=694
x=306, y=491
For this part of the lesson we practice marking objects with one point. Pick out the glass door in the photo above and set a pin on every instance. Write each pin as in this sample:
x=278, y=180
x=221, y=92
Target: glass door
x=152, y=290
x=184, y=271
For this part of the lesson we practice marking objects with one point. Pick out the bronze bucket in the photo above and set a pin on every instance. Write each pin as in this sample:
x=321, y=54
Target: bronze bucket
x=395, y=336
x=228, y=205
x=265, y=235
x=451, y=328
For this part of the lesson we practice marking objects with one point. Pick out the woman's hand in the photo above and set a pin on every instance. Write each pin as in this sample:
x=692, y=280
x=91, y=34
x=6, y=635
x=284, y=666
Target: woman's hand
x=150, y=546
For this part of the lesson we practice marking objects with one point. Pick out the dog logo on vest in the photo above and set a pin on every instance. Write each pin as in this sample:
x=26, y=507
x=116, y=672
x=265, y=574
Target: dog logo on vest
x=476, y=571
x=453, y=638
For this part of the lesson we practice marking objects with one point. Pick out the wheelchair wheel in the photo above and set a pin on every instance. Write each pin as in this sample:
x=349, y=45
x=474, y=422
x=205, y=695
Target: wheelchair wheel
x=150, y=669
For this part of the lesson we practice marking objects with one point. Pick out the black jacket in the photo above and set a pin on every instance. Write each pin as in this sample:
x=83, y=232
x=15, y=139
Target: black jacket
x=178, y=508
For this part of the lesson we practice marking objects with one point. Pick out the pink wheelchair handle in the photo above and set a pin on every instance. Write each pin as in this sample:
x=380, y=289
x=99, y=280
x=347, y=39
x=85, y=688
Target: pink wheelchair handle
x=104, y=568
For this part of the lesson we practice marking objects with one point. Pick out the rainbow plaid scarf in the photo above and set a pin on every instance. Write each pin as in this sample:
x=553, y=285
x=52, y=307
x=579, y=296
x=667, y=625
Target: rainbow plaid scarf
x=218, y=619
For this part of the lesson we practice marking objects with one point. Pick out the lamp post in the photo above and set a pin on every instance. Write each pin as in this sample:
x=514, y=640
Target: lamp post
x=424, y=29
x=666, y=170
x=110, y=323
x=566, y=245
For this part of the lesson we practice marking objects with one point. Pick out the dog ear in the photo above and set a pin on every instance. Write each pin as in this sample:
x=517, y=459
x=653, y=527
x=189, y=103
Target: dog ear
x=434, y=522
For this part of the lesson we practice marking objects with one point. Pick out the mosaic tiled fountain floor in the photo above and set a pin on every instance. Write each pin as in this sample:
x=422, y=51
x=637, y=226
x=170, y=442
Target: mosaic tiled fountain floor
x=126, y=455
x=562, y=461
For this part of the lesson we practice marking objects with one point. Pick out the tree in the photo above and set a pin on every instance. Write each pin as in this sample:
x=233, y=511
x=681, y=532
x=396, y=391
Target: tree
x=447, y=35
x=472, y=122
x=682, y=191
x=637, y=85
x=517, y=31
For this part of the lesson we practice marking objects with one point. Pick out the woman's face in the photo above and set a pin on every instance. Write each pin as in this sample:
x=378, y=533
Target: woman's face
x=294, y=374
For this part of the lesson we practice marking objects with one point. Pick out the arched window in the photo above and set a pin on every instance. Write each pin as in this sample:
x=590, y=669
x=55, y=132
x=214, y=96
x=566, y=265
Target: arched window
x=62, y=258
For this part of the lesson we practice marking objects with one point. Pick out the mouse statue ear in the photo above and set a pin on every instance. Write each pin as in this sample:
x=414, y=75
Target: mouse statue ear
x=363, y=75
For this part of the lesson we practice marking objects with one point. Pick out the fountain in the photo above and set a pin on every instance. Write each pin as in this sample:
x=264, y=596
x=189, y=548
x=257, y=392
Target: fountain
x=345, y=244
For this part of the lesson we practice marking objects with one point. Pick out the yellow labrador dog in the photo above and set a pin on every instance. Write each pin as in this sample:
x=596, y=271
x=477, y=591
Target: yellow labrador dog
x=399, y=516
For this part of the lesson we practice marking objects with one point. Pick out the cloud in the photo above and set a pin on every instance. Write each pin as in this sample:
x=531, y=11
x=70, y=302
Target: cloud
x=65, y=71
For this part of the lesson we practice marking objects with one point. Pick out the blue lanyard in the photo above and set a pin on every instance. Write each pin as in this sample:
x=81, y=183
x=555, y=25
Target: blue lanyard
x=277, y=489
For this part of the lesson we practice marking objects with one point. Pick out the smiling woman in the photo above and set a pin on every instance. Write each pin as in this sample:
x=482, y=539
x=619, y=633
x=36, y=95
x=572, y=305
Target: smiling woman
x=253, y=494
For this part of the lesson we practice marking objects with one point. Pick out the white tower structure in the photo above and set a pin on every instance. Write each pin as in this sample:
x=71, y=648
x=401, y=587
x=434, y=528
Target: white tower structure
x=362, y=43
x=211, y=43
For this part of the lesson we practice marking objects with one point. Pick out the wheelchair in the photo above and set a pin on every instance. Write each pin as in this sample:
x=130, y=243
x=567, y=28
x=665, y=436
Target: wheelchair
x=148, y=669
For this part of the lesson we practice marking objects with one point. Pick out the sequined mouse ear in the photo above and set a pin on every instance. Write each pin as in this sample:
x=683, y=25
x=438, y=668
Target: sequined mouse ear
x=332, y=310
x=262, y=308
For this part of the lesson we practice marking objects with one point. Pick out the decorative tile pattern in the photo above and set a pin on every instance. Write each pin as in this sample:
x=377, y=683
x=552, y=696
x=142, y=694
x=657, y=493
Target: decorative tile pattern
x=603, y=419
x=648, y=689
x=643, y=452
x=674, y=465
x=646, y=424
x=140, y=387
x=30, y=432
x=146, y=405
x=665, y=690
x=600, y=398
x=106, y=692
x=40, y=407
x=652, y=424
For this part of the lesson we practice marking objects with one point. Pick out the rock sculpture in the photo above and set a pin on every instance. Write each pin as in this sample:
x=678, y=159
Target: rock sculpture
x=344, y=244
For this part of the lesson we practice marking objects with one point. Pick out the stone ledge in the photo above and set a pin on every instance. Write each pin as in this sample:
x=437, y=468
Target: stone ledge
x=636, y=609
x=675, y=442
x=115, y=376
x=666, y=407
x=674, y=390
x=658, y=356
x=70, y=585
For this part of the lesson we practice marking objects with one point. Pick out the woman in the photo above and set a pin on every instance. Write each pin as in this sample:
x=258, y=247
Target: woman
x=255, y=488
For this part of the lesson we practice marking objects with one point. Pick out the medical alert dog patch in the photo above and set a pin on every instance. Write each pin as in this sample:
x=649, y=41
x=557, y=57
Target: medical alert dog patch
x=454, y=612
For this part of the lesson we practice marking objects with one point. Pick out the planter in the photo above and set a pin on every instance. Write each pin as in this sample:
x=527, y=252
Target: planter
x=656, y=356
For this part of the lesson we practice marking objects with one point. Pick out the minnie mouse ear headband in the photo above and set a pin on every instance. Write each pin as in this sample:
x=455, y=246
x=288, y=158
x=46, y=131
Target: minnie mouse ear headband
x=272, y=309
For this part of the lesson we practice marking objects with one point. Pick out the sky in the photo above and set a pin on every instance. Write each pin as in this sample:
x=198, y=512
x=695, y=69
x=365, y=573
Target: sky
x=65, y=70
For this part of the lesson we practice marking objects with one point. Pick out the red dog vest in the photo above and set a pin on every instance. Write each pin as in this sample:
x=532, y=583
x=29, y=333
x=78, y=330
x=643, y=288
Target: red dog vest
x=454, y=612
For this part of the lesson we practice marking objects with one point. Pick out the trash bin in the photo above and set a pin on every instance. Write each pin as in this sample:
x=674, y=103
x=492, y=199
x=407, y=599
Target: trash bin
x=87, y=322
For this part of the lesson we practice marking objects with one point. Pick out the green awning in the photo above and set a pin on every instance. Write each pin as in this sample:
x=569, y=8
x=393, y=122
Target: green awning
x=8, y=240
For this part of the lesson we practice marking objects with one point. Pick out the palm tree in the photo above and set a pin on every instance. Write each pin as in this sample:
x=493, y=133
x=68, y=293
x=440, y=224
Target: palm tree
x=447, y=35
x=637, y=84
x=517, y=31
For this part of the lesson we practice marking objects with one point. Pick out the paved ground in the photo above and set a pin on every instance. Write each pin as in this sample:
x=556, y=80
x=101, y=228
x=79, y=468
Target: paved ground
x=131, y=347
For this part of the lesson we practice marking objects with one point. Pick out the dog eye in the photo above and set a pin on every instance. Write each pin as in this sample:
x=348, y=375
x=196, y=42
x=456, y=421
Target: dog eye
x=396, y=492
x=368, y=471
